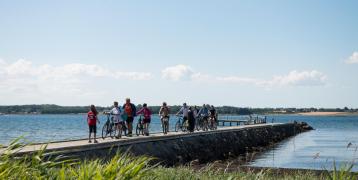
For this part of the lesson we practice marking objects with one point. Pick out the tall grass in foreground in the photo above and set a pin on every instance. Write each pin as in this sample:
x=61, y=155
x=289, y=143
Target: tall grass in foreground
x=40, y=166
x=125, y=166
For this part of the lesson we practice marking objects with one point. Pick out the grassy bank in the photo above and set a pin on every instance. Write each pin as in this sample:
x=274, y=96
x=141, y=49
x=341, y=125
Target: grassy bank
x=125, y=166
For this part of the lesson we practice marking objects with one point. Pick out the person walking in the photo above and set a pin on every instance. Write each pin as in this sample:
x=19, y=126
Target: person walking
x=129, y=112
x=92, y=121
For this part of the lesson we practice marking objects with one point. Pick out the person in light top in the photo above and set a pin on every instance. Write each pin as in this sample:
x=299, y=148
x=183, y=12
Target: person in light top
x=164, y=113
x=184, y=112
x=117, y=113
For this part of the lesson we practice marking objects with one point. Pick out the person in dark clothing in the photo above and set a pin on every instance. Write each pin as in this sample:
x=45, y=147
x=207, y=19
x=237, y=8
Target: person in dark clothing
x=130, y=112
x=191, y=119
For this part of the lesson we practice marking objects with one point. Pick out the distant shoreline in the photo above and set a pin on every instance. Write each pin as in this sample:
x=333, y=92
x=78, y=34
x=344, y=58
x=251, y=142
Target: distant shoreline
x=328, y=113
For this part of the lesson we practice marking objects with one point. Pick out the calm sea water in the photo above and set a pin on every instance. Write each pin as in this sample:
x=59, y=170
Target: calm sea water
x=313, y=150
x=318, y=149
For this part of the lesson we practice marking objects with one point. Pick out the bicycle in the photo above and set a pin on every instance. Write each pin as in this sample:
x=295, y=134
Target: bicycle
x=109, y=127
x=181, y=125
x=203, y=123
x=212, y=123
x=140, y=127
x=165, y=124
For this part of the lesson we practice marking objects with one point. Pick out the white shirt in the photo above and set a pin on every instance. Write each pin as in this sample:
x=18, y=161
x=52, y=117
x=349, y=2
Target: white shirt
x=117, y=114
x=184, y=110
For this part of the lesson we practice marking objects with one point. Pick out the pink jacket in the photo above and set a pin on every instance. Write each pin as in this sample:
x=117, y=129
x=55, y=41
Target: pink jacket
x=146, y=112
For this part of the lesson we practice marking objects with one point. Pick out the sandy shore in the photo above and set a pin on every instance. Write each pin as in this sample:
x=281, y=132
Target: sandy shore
x=327, y=114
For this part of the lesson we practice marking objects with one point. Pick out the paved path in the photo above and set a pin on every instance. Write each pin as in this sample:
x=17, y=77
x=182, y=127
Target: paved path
x=77, y=145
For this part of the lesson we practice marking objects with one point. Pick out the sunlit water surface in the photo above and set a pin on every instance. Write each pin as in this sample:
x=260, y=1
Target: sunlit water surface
x=311, y=150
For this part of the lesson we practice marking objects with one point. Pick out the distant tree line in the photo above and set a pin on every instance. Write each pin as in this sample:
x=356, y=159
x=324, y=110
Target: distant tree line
x=55, y=109
x=44, y=109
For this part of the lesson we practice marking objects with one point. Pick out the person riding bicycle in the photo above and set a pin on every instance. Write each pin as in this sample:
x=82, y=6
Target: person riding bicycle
x=164, y=113
x=130, y=112
x=204, y=113
x=184, y=112
x=117, y=113
x=147, y=117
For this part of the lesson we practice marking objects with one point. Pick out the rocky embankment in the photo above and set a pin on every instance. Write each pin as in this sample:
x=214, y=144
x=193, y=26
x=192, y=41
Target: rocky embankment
x=302, y=126
x=203, y=146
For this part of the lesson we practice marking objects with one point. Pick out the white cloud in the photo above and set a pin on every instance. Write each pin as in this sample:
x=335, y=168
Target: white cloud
x=23, y=78
x=237, y=79
x=296, y=78
x=353, y=59
x=293, y=78
x=178, y=72
x=26, y=68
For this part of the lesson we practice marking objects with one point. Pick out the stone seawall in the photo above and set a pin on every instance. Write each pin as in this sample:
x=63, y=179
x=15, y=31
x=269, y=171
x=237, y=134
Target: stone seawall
x=202, y=146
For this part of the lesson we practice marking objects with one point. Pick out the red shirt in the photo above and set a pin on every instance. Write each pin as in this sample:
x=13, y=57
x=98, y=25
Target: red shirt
x=128, y=109
x=91, y=118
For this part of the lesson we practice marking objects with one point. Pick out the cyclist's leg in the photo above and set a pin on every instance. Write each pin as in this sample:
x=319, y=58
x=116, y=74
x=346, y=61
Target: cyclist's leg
x=206, y=122
x=94, y=133
x=119, y=127
x=129, y=124
x=167, y=123
x=185, y=119
x=147, y=128
x=161, y=120
x=147, y=122
x=89, y=133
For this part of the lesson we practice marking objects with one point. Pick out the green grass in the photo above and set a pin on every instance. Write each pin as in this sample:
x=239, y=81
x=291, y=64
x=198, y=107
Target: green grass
x=209, y=173
x=126, y=166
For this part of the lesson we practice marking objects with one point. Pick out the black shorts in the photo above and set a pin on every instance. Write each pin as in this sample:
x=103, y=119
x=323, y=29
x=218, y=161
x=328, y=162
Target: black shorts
x=130, y=119
x=145, y=120
x=185, y=118
x=92, y=128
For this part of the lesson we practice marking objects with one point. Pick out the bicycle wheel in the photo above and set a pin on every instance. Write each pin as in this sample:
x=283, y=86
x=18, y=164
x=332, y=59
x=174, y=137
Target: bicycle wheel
x=205, y=125
x=124, y=128
x=105, y=131
x=215, y=125
x=137, y=130
x=120, y=130
x=185, y=126
x=142, y=129
x=197, y=124
x=177, y=126
x=113, y=131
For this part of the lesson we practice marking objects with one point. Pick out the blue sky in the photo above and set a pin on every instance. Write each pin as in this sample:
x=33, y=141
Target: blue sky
x=241, y=53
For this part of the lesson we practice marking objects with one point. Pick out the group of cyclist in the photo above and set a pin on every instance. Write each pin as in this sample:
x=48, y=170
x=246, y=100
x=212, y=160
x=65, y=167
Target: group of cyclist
x=123, y=117
x=192, y=115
